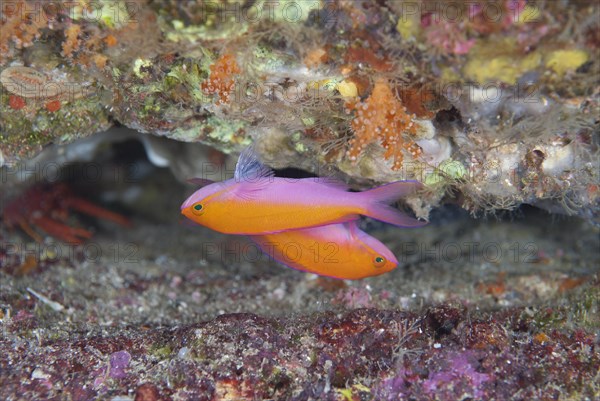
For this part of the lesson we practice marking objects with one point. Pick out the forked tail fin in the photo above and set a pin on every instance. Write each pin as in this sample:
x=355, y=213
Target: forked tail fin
x=377, y=202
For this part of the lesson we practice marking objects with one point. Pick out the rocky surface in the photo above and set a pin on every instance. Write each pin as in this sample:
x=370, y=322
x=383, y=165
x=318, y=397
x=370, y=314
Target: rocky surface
x=496, y=102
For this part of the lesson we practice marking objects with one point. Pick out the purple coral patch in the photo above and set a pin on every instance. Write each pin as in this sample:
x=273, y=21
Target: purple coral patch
x=119, y=361
x=459, y=369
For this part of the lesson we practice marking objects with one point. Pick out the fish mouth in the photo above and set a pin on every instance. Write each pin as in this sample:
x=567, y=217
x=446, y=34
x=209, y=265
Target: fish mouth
x=186, y=212
x=392, y=259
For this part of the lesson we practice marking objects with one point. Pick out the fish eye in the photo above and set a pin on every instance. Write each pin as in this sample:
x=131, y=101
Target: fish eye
x=379, y=261
x=198, y=209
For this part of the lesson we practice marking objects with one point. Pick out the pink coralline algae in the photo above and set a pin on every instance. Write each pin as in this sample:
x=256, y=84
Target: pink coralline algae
x=354, y=298
x=447, y=36
x=458, y=377
x=119, y=361
x=459, y=370
x=457, y=34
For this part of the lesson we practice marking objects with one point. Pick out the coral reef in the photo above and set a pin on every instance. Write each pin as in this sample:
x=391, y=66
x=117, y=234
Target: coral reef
x=382, y=118
x=375, y=92
x=493, y=105
x=220, y=80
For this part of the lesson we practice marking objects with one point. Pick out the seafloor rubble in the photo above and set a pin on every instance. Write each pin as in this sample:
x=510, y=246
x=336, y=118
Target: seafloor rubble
x=490, y=103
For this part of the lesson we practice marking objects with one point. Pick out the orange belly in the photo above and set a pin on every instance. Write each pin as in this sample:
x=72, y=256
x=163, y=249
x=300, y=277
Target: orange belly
x=324, y=251
x=252, y=218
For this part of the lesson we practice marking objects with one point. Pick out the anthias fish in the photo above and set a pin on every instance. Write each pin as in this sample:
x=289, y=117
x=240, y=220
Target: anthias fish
x=337, y=250
x=255, y=202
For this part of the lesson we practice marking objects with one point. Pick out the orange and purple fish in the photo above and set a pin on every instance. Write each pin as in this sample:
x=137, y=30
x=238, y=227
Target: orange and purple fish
x=337, y=250
x=255, y=202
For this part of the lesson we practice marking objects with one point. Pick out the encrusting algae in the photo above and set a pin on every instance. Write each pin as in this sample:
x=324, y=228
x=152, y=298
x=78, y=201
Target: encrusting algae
x=375, y=92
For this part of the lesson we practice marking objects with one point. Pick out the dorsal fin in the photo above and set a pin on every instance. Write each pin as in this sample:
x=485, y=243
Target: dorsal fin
x=249, y=168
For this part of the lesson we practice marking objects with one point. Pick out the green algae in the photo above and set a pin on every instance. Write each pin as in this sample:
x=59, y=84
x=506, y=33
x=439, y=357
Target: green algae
x=585, y=308
x=190, y=74
x=178, y=32
x=230, y=134
x=447, y=172
x=34, y=127
x=213, y=22
x=114, y=14
x=160, y=351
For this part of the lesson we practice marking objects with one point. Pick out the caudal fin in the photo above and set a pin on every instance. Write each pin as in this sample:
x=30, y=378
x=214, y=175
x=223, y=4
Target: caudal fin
x=377, y=199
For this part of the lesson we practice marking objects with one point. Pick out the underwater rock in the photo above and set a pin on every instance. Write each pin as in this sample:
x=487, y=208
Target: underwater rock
x=384, y=355
x=367, y=91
